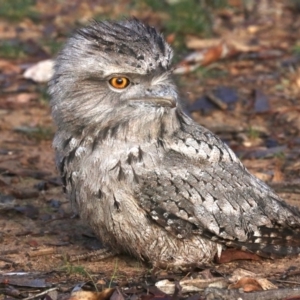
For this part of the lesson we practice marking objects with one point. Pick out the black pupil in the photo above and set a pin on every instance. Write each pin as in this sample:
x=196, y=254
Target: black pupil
x=119, y=81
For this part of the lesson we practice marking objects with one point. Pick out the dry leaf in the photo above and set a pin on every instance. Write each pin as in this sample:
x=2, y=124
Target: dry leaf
x=87, y=295
x=22, y=98
x=234, y=254
x=247, y=284
x=205, y=57
x=191, y=285
x=249, y=281
x=8, y=67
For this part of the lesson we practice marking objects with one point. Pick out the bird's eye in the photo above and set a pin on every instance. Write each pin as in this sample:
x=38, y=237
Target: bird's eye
x=119, y=82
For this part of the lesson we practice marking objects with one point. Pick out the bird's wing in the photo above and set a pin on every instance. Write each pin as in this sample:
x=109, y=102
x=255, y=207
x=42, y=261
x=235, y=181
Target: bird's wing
x=219, y=200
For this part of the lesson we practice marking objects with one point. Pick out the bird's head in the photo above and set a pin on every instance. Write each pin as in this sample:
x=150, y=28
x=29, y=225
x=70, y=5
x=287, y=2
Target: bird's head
x=112, y=71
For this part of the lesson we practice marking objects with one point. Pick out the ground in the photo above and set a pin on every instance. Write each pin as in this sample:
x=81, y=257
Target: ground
x=250, y=98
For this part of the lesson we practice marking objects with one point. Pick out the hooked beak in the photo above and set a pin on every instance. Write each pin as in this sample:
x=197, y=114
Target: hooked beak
x=157, y=101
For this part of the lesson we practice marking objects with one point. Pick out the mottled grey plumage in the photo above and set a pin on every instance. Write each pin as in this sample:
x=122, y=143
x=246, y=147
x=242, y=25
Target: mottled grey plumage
x=148, y=179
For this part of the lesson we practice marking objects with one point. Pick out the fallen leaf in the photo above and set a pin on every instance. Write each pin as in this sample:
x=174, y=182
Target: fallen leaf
x=24, y=282
x=87, y=295
x=117, y=295
x=7, y=67
x=191, y=285
x=234, y=254
x=261, y=102
x=249, y=281
x=28, y=210
x=205, y=57
x=22, y=98
x=247, y=284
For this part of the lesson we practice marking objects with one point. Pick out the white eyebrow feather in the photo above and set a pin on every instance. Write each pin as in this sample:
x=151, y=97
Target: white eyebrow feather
x=161, y=78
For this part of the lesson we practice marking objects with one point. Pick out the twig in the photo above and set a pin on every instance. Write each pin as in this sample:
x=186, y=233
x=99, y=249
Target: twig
x=96, y=255
x=287, y=281
x=42, y=252
x=216, y=100
x=276, y=294
x=286, y=187
x=6, y=260
x=40, y=294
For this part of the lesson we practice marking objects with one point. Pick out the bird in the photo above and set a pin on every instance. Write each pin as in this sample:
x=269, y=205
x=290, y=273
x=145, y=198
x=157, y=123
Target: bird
x=149, y=180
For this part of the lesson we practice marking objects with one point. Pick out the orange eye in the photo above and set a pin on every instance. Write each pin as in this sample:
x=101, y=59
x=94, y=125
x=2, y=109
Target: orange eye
x=119, y=82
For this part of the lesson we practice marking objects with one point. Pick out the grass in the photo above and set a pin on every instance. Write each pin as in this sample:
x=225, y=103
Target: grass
x=296, y=48
x=186, y=16
x=11, y=49
x=52, y=46
x=15, y=48
x=114, y=275
x=189, y=17
x=253, y=133
x=38, y=133
x=181, y=17
x=280, y=155
x=16, y=10
x=44, y=96
x=210, y=72
x=71, y=269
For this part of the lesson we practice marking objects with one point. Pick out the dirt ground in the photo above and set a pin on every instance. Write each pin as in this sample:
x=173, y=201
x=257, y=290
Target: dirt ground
x=250, y=98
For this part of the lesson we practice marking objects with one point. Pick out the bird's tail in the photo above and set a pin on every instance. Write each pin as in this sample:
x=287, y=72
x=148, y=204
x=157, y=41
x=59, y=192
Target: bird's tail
x=272, y=242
